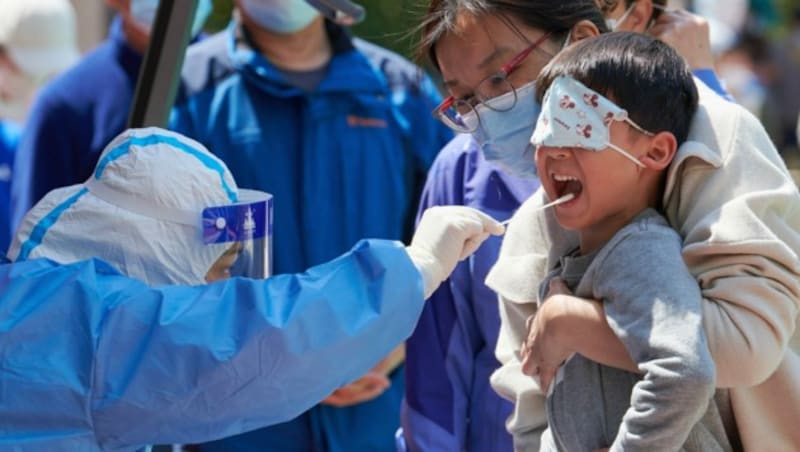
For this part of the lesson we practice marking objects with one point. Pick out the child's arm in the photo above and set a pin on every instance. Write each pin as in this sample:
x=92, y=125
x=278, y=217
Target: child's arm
x=653, y=305
x=566, y=324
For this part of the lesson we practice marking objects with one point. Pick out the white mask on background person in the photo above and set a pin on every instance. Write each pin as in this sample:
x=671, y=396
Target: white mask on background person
x=144, y=13
x=743, y=84
x=280, y=16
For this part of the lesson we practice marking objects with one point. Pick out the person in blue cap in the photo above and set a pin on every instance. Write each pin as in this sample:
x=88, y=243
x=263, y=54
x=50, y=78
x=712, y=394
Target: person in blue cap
x=95, y=360
x=339, y=131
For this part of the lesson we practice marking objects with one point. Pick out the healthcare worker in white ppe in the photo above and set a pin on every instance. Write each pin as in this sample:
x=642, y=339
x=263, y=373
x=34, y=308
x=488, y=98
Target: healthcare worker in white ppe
x=95, y=360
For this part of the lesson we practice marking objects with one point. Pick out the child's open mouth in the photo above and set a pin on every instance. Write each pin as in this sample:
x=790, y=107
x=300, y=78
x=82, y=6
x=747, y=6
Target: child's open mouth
x=564, y=185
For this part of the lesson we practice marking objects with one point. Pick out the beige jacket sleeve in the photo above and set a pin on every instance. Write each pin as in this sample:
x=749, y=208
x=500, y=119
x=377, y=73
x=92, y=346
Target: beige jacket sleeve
x=734, y=202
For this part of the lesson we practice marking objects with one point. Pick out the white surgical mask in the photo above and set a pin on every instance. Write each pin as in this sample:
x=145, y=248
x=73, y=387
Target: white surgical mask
x=504, y=136
x=612, y=24
x=144, y=13
x=280, y=16
x=575, y=116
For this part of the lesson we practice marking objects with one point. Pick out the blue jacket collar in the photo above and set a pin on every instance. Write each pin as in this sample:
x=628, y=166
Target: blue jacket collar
x=348, y=70
x=128, y=57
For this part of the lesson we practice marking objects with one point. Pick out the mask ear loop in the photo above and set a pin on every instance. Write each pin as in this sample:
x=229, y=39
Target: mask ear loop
x=626, y=154
x=639, y=129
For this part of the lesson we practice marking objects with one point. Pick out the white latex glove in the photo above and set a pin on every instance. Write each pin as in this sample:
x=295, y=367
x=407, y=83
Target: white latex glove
x=446, y=235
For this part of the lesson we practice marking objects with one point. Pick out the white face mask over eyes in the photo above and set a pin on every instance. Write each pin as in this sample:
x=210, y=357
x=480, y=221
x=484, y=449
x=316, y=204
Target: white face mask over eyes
x=575, y=116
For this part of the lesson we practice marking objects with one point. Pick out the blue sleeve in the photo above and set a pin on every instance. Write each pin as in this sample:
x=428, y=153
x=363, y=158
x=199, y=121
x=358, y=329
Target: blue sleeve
x=429, y=416
x=710, y=79
x=127, y=365
x=45, y=156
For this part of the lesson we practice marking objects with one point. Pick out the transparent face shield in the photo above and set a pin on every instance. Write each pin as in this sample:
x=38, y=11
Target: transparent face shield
x=246, y=229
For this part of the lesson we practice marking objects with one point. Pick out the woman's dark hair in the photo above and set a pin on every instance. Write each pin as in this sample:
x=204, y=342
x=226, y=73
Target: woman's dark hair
x=557, y=17
x=639, y=73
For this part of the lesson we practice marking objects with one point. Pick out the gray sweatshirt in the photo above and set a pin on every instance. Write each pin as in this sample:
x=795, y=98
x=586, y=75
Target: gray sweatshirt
x=652, y=303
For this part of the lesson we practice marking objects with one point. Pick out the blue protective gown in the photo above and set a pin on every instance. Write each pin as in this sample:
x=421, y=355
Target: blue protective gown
x=449, y=404
x=343, y=161
x=93, y=360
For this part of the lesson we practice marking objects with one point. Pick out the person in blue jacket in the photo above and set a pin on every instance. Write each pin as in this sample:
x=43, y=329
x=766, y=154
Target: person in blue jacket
x=79, y=112
x=339, y=131
x=449, y=403
x=94, y=360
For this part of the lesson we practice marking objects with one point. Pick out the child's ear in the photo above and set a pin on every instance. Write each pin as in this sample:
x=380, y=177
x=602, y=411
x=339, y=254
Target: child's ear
x=661, y=150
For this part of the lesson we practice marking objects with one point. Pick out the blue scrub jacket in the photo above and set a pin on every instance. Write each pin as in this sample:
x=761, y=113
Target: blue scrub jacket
x=93, y=360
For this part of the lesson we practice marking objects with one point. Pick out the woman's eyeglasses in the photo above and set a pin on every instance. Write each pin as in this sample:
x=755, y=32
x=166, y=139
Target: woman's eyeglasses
x=456, y=113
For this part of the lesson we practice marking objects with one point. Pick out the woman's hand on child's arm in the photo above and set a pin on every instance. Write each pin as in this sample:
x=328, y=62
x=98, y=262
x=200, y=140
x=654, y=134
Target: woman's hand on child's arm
x=567, y=324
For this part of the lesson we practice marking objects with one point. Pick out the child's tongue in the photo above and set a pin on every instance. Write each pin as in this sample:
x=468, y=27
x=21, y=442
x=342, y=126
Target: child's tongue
x=572, y=186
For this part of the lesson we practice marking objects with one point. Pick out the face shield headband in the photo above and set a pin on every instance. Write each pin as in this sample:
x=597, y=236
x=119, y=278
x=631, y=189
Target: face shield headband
x=244, y=227
x=575, y=116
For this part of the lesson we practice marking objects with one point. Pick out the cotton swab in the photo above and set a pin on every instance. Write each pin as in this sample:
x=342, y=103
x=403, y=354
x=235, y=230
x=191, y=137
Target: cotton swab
x=561, y=200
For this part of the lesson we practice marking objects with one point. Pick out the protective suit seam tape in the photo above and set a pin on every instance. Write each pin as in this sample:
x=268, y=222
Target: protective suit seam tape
x=39, y=230
x=159, y=139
